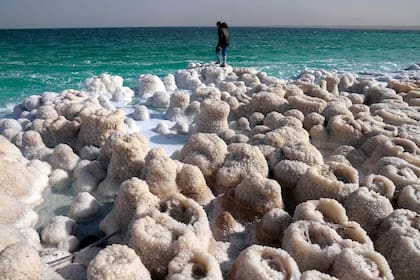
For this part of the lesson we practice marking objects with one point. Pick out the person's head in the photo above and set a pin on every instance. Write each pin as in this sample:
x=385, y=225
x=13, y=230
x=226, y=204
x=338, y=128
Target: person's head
x=224, y=25
x=218, y=24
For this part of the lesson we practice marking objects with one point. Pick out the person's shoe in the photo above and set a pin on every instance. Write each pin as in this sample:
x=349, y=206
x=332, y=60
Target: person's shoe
x=222, y=65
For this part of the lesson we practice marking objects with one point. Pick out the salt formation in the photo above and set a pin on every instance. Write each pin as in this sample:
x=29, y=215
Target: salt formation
x=149, y=85
x=259, y=262
x=397, y=240
x=117, y=262
x=240, y=160
x=110, y=87
x=206, y=151
x=20, y=261
x=276, y=177
x=195, y=264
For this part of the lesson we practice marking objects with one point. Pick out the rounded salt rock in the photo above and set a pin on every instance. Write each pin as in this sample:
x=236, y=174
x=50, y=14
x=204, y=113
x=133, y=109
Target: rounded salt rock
x=335, y=180
x=398, y=241
x=20, y=261
x=192, y=184
x=195, y=264
x=84, y=207
x=313, y=245
x=368, y=208
x=261, y=262
x=324, y=210
x=10, y=234
x=117, y=262
x=156, y=239
x=256, y=195
x=58, y=229
x=361, y=264
x=409, y=198
x=16, y=213
x=64, y=158
x=205, y=150
x=269, y=231
x=379, y=184
x=241, y=159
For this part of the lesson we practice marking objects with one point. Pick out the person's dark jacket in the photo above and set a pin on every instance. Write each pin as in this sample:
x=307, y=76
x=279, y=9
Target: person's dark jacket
x=223, y=35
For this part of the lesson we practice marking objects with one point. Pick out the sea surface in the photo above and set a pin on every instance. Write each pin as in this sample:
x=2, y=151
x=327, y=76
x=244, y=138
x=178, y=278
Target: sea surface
x=34, y=61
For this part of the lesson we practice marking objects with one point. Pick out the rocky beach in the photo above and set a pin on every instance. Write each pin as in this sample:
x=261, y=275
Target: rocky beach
x=214, y=173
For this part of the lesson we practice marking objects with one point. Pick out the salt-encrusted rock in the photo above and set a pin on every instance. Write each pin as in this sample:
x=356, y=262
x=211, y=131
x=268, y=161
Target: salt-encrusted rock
x=202, y=93
x=335, y=180
x=59, y=177
x=162, y=128
x=379, y=184
x=58, y=232
x=141, y=113
x=159, y=99
x=10, y=235
x=33, y=146
x=159, y=173
x=64, y=158
x=256, y=195
x=368, y=208
x=117, y=262
x=224, y=224
x=133, y=197
x=15, y=213
x=313, y=119
x=108, y=86
x=361, y=264
x=149, y=85
x=392, y=168
x=307, y=104
x=98, y=126
x=20, y=182
x=324, y=210
x=260, y=262
x=276, y=120
x=240, y=160
x=269, y=231
x=89, y=153
x=279, y=137
x=192, y=183
x=213, y=116
x=206, y=151
x=7, y=149
x=20, y=261
x=178, y=102
x=288, y=172
x=169, y=82
x=195, y=264
x=409, y=198
x=87, y=176
x=46, y=112
x=83, y=207
x=187, y=79
x=157, y=238
x=340, y=130
x=266, y=102
x=313, y=245
x=127, y=160
x=9, y=128
x=32, y=102
x=58, y=131
x=398, y=236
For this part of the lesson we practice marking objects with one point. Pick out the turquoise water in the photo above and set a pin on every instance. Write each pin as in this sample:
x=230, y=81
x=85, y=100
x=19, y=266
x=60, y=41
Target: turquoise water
x=34, y=61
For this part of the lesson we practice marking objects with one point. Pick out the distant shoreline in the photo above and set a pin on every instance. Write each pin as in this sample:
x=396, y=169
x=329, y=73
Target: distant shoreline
x=322, y=27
